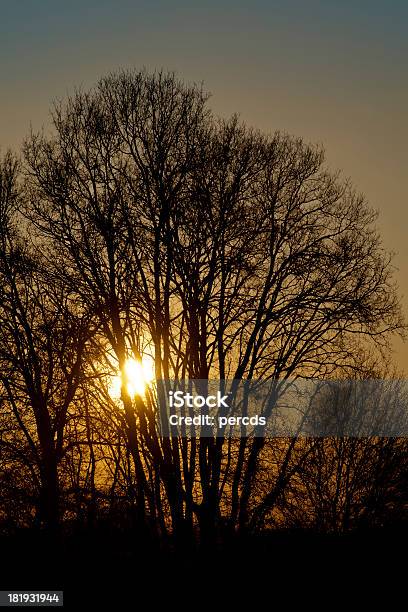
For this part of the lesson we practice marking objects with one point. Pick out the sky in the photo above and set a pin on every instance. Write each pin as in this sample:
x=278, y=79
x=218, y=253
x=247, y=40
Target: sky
x=333, y=72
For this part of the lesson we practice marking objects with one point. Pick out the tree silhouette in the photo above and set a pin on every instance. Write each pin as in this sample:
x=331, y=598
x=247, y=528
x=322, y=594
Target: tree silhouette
x=149, y=226
x=41, y=349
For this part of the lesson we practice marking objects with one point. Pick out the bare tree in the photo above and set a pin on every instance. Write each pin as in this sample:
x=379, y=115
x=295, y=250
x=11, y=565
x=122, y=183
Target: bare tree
x=222, y=252
x=41, y=348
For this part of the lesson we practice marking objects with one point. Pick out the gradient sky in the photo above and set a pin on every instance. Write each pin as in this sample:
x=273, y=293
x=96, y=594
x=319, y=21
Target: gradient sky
x=333, y=72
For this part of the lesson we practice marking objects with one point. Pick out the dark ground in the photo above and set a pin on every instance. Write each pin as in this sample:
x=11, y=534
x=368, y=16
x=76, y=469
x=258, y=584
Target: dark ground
x=110, y=568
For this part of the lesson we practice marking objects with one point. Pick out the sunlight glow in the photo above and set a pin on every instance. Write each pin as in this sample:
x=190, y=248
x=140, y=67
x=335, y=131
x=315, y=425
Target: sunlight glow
x=137, y=375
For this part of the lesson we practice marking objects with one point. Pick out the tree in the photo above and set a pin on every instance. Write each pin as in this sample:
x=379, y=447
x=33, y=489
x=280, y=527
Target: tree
x=42, y=344
x=220, y=251
x=350, y=472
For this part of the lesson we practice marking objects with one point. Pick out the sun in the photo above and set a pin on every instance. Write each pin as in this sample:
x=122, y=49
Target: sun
x=136, y=376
